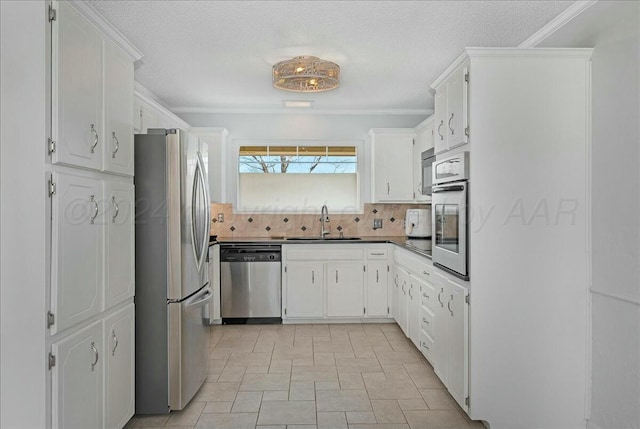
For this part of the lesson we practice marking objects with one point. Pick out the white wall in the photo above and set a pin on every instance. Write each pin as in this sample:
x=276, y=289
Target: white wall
x=613, y=29
x=22, y=214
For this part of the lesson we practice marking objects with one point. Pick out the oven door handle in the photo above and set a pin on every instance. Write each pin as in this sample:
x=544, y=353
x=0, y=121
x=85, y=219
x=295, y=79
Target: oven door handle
x=450, y=188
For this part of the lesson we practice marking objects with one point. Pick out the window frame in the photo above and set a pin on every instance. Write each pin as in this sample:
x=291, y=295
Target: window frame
x=234, y=173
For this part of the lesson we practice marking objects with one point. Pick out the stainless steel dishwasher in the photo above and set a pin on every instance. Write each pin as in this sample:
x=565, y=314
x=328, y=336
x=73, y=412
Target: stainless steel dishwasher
x=251, y=283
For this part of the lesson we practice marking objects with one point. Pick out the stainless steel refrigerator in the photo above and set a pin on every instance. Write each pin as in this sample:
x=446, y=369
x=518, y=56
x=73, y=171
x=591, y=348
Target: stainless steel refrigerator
x=172, y=286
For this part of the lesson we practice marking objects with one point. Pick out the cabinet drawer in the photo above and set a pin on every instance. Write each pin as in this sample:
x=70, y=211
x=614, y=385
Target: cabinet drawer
x=426, y=320
x=325, y=253
x=427, y=296
x=377, y=253
x=426, y=345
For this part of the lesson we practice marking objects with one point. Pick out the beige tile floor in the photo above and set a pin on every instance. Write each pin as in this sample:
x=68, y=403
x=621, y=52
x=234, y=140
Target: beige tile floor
x=339, y=376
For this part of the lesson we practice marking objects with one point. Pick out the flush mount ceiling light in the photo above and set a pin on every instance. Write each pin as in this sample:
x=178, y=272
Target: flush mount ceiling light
x=306, y=74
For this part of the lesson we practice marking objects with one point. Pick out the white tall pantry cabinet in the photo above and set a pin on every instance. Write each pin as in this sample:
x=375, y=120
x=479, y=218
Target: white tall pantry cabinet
x=528, y=130
x=91, y=314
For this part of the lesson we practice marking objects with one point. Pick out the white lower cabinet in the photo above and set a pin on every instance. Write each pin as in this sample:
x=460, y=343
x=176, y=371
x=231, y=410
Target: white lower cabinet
x=377, y=285
x=304, y=290
x=452, y=338
x=93, y=374
x=120, y=367
x=345, y=284
x=335, y=281
x=77, y=379
x=432, y=310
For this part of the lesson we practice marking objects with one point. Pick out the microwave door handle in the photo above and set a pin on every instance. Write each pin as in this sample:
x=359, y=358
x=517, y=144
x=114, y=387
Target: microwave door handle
x=451, y=188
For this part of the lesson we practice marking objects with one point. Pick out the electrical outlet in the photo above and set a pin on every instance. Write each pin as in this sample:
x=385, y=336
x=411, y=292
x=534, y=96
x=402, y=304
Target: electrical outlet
x=220, y=217
x=377, y=223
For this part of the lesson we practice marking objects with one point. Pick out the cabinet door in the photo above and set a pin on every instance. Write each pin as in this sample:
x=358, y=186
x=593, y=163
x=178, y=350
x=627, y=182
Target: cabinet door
x=120, y=270
x=395, y=294
x=424, y=141
x=345, y=283
x=440, y=328
x=393, y=167
x=118, y=93
x=413, y=313
x=76, y=90
x=377, y=285
x=304, y=290
x=119, y=371
x=76, y=379
x=403, y=299
x=456, y=120
x=78, y=212
x=439, y=123
x=457, y=368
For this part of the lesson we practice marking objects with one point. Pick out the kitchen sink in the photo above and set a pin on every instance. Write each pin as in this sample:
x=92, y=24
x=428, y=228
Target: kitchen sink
x=323, y=238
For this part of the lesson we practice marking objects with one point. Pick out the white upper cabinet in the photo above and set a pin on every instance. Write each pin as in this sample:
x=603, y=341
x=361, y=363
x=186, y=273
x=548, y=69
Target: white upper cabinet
x=393, y=163
x=118, y=93
x=92, y=96
x=424, y=140
x=451, y=120
x=78, y=213
x=77, y=121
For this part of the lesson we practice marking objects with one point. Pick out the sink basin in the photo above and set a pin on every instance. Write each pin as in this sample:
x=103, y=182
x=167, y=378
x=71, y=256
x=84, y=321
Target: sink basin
x=323, y=238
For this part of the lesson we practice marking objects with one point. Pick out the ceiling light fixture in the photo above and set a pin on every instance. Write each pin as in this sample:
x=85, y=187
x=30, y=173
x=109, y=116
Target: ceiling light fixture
x=297, y=103
x=306, y=74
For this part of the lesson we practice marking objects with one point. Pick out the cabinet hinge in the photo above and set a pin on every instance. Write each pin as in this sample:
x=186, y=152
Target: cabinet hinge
x=466, y=401
x=52, y=187
x=51, y=319
x=52, y=13
x=414, y=195
x=466, y=131
x=285, y=311
x=466, y=77
x=467, y=299
x=285, y=268
x=52, y=360
x=51, y=145
x=364, y=310
x=387, y=310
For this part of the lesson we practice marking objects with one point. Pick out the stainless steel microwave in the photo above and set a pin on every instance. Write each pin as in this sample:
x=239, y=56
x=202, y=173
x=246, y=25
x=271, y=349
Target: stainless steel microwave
x=428, y=156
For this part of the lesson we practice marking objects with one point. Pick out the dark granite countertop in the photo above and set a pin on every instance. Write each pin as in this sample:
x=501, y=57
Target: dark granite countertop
x=421, y=246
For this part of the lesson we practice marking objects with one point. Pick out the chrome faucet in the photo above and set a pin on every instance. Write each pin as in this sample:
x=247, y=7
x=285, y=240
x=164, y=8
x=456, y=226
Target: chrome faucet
x=324, y=218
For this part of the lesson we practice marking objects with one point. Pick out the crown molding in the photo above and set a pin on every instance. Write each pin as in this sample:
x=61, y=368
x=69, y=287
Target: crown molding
x=106, y=28
x=291, y=111
x=156, y=102
x=558, y=22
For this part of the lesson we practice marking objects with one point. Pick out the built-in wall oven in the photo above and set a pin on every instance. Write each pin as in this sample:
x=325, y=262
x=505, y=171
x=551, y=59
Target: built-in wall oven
x=427, y=157
x=449, y=214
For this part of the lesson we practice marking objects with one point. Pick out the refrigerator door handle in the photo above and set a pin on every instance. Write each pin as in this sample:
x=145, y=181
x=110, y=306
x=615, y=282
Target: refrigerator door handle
x=201, y=298
x=206, y=214
x=198, y=242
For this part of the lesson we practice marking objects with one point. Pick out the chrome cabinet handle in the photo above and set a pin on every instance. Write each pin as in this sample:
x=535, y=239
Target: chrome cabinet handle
x=425, y=346
x=449, y=125
x=113, y=201
x=426, y=273
x=388, y=189
x=449, y=305
x=97, y=356
x=115, y=339
x=115, y=139
x=313, y=276
x=426, y=296
x=377, y=277
x=96, y=209
x=95, y=138
x=411, y=296
x=403, y=285
x=439, y=300
x=336, y=276
x=439, y=126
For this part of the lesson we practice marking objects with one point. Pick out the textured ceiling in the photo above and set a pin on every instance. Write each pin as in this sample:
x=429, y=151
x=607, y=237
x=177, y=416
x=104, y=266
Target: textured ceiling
x=218, y=54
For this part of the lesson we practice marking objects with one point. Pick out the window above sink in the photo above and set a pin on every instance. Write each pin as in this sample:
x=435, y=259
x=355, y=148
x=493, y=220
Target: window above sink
x=298, y=176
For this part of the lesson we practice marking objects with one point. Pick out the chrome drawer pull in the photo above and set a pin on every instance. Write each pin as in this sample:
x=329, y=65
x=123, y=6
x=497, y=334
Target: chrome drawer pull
x=97, y=356
x=95, y=138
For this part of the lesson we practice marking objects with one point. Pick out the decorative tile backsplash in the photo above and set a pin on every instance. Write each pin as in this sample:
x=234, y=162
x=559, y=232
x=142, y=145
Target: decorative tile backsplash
x=308, y=225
